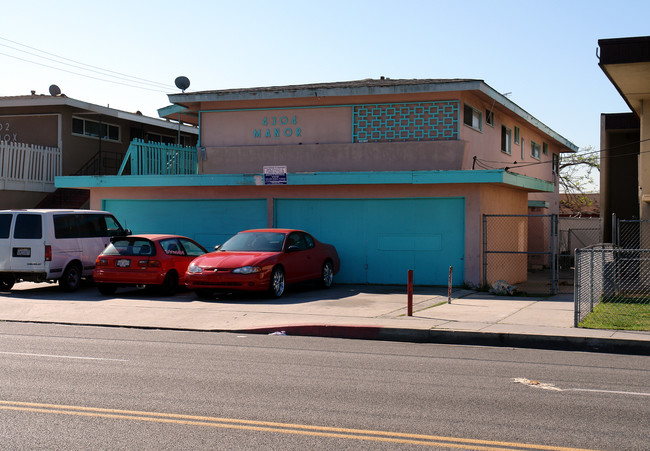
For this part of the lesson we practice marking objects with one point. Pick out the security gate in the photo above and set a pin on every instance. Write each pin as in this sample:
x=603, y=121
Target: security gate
x=523, y=250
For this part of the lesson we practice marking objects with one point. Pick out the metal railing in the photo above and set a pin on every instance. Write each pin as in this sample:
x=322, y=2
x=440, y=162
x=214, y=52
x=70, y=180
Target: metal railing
x=27, y=167
x=612, y=288
x=147, y=158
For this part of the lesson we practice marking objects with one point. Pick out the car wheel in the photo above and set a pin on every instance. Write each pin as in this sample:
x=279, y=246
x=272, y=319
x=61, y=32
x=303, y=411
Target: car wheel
x=7, y=282
x=327, y=277
x=170, y=284
x=277, y=282
x=204, y=294
x=71, y=278
x=106, y=289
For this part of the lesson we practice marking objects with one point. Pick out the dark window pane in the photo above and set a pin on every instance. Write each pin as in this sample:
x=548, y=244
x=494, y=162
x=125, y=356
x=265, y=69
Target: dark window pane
x=5, y=225
x=28, y=227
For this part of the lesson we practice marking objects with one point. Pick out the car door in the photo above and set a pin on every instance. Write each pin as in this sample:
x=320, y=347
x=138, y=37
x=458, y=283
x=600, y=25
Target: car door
x=298, y=259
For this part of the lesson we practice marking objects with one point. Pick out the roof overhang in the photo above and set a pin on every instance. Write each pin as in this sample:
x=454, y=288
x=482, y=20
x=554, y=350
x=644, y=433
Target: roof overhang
x=89, y=108
x=626, y=62
x=499, y=176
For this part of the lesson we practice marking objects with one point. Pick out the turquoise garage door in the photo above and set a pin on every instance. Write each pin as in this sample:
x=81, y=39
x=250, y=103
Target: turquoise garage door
x=209, y=222
x=379, y=240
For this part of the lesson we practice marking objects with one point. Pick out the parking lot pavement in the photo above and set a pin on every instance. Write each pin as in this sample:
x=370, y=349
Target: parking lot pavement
x=358, y=311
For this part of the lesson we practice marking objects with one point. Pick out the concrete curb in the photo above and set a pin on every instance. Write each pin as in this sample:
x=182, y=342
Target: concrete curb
x=532, y=341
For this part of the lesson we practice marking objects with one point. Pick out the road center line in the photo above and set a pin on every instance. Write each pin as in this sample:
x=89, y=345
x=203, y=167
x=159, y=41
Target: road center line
x=61, y=356
x=284, y=428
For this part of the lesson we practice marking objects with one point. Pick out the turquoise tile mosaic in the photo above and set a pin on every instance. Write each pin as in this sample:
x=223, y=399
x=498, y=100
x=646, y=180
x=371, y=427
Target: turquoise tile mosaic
x=425, y=121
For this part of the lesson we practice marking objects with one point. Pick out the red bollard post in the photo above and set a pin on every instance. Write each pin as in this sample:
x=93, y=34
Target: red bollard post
x=451, y=268
x=409, y=290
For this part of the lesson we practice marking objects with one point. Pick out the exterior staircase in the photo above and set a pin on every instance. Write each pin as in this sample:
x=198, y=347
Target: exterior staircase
x=69, y=198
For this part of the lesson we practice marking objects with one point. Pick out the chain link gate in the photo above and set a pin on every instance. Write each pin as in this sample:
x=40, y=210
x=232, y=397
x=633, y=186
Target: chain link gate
x=523, y=250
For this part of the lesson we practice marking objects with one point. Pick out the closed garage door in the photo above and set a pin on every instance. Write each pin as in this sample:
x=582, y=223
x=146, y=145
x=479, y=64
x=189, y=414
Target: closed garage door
x=209, y=222
x=379, y=240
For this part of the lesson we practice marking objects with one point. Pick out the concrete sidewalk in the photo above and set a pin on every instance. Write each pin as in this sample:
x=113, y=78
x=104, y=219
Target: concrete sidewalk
x=347, y=311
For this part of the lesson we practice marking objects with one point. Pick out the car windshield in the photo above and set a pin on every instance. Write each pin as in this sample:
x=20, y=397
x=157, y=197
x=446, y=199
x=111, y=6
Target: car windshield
x=254, y=242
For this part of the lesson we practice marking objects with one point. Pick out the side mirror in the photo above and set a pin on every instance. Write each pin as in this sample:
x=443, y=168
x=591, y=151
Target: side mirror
x=293, y=248
x=217, y=247
x=128, y=232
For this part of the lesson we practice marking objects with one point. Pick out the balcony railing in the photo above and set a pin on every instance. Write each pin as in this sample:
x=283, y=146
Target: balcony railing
x=146, y=158
x=26, y=167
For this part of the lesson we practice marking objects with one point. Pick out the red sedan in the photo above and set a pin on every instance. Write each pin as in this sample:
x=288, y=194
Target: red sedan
x=158, y=261
x=263, y=260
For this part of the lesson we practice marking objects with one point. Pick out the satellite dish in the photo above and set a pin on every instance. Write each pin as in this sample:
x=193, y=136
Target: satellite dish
x=182, y=83
x=55, y=90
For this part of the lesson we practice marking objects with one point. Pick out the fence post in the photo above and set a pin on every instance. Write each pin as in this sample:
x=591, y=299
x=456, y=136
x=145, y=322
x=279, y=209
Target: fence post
x=409, y=290
x=484, y=251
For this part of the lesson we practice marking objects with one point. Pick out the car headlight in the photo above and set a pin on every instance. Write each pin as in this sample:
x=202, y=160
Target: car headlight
x=194, y=269
x=246, y=270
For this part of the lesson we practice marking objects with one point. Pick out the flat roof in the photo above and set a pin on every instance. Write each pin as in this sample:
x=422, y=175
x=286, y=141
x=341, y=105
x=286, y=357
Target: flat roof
x=37, y=100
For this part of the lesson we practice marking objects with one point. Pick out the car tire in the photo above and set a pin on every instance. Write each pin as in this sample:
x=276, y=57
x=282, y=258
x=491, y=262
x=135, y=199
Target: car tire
x=327, y=275
x=7, y=281
x=276, y=288
x=71, y=279
x=106, y=289
x=170, y=284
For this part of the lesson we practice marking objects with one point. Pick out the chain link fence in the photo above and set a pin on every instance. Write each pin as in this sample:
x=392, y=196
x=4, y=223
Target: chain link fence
x=576, y=233
x=612, y=288
x=522, y=250
x=632, y=233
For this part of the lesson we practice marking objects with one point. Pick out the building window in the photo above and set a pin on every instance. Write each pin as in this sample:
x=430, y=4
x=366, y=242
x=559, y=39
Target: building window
x=156, y=138
x=95, y=129
x=535, y=150
x=489, y=117
x=472, y=117
x=545, y=148
x=556, y=163
x=506, y=134
x=523, y=150
x=516, y=135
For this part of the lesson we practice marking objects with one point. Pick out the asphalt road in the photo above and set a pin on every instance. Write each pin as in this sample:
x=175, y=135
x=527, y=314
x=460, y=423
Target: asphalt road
x=65, y=387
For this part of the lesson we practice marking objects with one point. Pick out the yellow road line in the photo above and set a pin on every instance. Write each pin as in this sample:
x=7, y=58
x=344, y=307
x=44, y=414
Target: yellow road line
x=284, y=428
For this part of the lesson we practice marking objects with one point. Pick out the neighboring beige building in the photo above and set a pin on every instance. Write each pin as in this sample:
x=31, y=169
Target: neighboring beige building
x=44, y=136
x=625, y=137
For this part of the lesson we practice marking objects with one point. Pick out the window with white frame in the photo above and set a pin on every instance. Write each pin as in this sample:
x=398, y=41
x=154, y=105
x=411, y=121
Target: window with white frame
x=545, y=148
x=535, y=150
x=472, y=117
x=95, y=129
x=506, y=135
x=556, y=163
x=523, y=150
x=516, y=135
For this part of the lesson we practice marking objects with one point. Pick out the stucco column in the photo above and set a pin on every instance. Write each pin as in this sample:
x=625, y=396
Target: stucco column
x=644, y=162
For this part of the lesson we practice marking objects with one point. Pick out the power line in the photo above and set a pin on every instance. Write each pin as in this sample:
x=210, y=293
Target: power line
x=88, y=67
x=87, y=76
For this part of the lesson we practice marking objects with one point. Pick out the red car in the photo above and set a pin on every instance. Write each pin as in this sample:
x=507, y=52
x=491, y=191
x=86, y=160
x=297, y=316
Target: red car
x=158, y=261
x=263, y=260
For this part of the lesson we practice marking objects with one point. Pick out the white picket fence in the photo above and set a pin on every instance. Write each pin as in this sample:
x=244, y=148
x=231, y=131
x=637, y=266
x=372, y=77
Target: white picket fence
x=26, y=167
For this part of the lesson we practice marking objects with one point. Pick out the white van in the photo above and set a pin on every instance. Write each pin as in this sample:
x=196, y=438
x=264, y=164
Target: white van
x=48, y=245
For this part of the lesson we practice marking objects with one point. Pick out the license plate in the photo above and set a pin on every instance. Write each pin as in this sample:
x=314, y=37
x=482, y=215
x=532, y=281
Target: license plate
x=22, y=252
x=123, y=263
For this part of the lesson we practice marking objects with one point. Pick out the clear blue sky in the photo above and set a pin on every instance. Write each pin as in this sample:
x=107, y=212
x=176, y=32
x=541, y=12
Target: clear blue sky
x=543, y=52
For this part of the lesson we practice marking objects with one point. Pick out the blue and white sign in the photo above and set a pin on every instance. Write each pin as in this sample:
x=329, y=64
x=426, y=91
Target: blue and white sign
x=275, y=175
